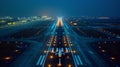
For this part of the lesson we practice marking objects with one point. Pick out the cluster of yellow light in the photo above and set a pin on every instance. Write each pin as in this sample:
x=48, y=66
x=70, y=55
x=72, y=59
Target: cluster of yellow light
x=45, y=51
x=69, y=65
x=59, y=64
x=51, y=57
x=73, y=51
x=55, y=41
x=16, y=50
x=49, y=65
x=59, y=22
x=64, y=40
x=70, y=44
x=65, y=44
x=68, y=57
x=113, y=58
x=11, y=23
x=2, y=21
x=7, y=58
x=103, y=50
x=25, y=20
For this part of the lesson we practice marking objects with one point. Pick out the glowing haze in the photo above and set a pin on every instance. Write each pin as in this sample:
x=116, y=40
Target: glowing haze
x=59, y=22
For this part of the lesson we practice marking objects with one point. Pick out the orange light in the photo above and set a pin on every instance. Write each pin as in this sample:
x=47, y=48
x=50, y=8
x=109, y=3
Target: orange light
x=113, y=58
x=51, y=57
x=49, y=65
x=103, y=50
x=64, y=41
x=69, y=65
x=59, y=64
x=7, y=58
x=65, y=44
x=68, y=57
x=16, y=50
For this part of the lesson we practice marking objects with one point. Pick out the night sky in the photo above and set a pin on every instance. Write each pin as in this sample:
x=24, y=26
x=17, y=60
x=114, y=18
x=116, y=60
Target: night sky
x=60, y=7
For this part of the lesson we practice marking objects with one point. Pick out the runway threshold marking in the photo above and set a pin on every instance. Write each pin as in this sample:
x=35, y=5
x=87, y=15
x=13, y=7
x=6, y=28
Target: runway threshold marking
x=78, y=60
x=40, y=60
